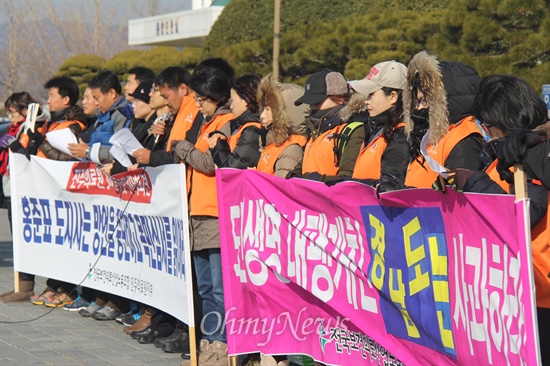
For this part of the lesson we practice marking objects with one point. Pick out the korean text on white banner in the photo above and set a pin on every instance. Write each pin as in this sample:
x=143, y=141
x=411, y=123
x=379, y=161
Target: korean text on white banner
x=126, y=234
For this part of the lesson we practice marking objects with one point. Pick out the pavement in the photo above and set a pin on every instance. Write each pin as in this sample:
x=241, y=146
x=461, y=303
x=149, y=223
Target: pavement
x=62, y=337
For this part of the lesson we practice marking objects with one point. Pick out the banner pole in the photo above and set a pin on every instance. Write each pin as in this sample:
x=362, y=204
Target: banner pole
x=520, y=188
x=16, y=281
x=193, y=346
x=520, y=182
x=232, y=360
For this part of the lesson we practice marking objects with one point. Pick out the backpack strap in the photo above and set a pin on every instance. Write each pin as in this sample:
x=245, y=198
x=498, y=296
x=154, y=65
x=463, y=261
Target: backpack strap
x=341, y=139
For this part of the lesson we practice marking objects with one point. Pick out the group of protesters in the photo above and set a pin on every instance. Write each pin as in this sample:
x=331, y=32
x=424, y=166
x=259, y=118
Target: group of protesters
x=400, y=127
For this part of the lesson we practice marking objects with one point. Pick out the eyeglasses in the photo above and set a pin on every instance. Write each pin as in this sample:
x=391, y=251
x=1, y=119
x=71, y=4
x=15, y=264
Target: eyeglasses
x=200, y=101
x=11, y=114
x=154, y=90
x=421, y=103
x=485, y=124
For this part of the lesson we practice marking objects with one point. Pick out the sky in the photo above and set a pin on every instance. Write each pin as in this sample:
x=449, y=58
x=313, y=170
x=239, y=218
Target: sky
x=162, y=6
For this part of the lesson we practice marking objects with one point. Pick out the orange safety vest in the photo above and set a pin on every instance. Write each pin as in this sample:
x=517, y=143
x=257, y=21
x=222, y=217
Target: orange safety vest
x=369, y=162
x=204, y=197
x=234, y=138
x=24, y=138
x=319, y=154
x=184, y=120
x=492, y=172
x=540, y=246
x=59, y=126
x=421, y=176
x=271, y=153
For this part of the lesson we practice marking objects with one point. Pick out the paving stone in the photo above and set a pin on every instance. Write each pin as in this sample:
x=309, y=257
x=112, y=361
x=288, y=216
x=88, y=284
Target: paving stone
x=62, y=337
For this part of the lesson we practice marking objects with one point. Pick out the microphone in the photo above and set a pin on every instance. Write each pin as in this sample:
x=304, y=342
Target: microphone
x=165, y=117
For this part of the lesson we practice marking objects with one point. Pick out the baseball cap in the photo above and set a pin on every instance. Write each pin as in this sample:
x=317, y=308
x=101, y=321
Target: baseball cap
x=389, y=74
x=322, y=84
x=143, y=90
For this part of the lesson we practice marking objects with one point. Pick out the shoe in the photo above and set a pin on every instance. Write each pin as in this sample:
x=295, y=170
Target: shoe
x=7, y=294
x=219, y=356
x=90, y=310
x=45, y=295
x=267, y=360
x=26, y=288
x=137, y=334
x=106, y=313
x=129, y=322
x=159, y=342
x=150, y=336
x=252, y=359
x=204, y=351
x=60, y=299
x=143, y=322
x=179, y=344
x=129, y=316
x=129, y=319
x=78, y=304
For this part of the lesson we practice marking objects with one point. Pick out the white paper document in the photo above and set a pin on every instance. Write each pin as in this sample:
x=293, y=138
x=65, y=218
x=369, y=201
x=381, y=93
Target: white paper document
x=124, y=144
x=61, y=138
x=120, y=156
x=32, y=113
x=94, y=153
x=126, y=141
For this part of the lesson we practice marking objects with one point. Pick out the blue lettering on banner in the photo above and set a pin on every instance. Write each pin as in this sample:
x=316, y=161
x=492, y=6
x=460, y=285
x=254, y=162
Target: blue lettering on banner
x=156, y=241
x=409, y=267
x=37, y=220
x=73, y=220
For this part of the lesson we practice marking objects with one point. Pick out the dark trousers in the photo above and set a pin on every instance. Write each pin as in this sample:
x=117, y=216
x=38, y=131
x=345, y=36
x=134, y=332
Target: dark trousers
x=543, y=317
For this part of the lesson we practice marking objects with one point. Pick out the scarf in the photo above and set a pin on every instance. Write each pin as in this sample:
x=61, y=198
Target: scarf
x=421, y=125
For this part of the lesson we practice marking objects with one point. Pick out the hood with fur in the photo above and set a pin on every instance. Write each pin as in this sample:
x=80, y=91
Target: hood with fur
x=424, y=73
x=449, y=87
x=355, y=105
x=287, y=118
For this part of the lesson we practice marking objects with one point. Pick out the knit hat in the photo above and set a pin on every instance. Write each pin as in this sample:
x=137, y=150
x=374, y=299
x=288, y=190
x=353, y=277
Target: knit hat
x=389, y=74
x=322, y=84
x=143, y=90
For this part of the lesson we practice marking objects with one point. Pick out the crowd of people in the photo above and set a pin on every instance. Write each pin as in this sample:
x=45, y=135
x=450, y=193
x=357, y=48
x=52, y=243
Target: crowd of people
x=395, y=129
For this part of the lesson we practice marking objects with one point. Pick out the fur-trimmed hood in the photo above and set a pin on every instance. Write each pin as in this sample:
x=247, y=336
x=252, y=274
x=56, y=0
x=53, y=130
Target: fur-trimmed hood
x=449, y=87
x=287, y=118
x=424, y=73
x=356, y=105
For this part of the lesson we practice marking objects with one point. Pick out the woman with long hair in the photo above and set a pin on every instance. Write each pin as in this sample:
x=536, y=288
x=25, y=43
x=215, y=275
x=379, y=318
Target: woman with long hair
x=17, y=107
x=384, y=156
x=284, y=128
x=241, y=149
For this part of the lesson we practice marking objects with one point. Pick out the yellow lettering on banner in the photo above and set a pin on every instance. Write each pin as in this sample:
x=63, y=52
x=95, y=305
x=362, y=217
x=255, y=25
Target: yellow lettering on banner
x=446, y=334
x=397, y=294
x=412, y=330
x=421, y=279
x=397, y=288
x=441, y=289
x=439, y=262
x=378, y=245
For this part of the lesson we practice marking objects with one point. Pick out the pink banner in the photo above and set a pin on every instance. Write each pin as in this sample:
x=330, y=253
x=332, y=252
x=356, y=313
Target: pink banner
x=415, y=277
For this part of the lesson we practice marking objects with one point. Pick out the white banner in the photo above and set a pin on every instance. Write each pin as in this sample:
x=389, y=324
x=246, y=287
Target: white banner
x=73, y=223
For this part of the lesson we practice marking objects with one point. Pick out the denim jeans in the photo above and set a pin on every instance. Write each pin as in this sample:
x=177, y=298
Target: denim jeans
x=208, y=268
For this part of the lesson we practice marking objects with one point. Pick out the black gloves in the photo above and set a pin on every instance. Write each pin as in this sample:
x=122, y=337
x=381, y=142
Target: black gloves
x=35, y=138
x=513, y=149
